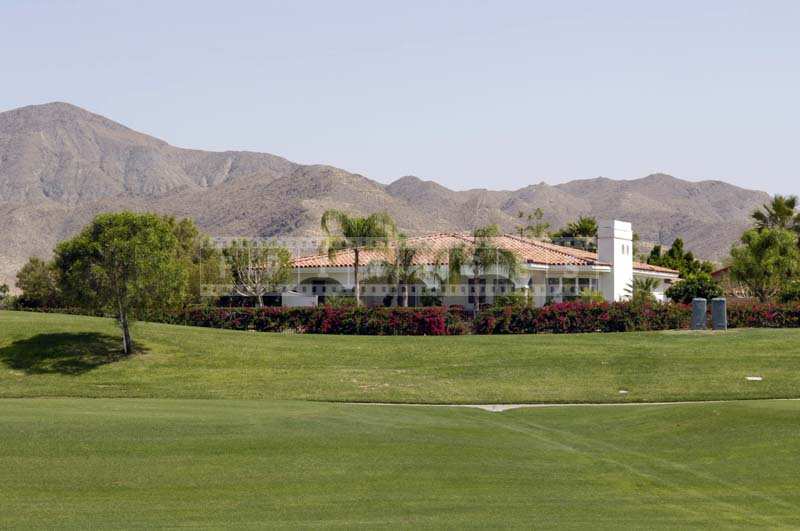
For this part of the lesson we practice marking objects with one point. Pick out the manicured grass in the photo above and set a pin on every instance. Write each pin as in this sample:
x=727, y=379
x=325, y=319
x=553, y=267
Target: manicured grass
x=58, y=355
x=146, y=463
x=256, y=457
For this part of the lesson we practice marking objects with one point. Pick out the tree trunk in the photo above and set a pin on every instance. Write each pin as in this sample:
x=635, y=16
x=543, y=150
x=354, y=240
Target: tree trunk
x=259, y=301
x=405, y=295
x=355, y=277
x=127, y=345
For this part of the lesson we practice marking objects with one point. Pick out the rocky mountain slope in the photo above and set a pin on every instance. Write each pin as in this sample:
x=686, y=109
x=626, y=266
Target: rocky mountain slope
x=60, y=165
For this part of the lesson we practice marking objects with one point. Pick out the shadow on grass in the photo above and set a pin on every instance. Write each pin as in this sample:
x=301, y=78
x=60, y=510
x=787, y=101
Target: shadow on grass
x=63, y=353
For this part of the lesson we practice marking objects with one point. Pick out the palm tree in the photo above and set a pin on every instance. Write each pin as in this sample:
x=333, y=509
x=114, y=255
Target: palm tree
x=343, y=232
x=480, y=258
x=641, y=290
x=780, y=213
x=579, y=234
x=400, y=269
x=585, y=226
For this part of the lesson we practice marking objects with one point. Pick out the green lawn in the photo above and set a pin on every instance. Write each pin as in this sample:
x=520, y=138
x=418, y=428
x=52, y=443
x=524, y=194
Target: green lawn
x=57, y=355
x=212, y=463
x=209, y=428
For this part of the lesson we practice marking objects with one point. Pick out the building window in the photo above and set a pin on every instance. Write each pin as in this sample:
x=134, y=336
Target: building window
x=553, y=290
x=569, y=288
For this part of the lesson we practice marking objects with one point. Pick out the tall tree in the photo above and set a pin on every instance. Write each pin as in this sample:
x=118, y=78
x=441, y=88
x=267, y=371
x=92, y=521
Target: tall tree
x=355, y=233
x=780, y=213
x=124, y=263
x=766, y=261
x=201, y=259
x=482, y=257
x=257, y=268
x=678, y=258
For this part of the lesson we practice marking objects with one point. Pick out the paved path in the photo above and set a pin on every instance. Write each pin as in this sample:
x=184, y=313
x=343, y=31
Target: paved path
x=497, y=408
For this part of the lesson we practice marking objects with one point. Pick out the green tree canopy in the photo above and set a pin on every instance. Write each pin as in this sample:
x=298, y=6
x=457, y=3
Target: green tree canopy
x=678, y=258
x=766, y=261
x=200, y=258
x=38, y=281
x=692, y=287
x=124, y=263
x=344, y=232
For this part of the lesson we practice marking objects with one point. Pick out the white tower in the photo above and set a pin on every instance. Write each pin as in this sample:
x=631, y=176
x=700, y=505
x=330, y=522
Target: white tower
x=615, y=247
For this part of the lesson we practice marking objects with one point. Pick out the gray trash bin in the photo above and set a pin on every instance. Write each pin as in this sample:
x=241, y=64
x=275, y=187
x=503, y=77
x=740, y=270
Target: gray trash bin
x=719, y=313
x=699, y=309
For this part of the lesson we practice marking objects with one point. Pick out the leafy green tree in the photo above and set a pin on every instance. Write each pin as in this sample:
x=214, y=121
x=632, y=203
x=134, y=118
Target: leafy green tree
x=678, y=258
x=766, y=262
x=780, y=213
x=480, y=258
x=534, y=225
x=344, y=232
x=39, y=284
x=201, y=259
x=257, y=268
x=124, y=263
x=790, y=292
x=694, y=286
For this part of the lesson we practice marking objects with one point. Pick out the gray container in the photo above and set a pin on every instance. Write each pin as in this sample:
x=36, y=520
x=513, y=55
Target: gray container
x=699, y=309
x=719, y=314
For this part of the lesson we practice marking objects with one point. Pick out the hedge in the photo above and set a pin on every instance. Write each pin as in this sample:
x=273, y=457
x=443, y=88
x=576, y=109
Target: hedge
x=576, y=317
x=325, y=320
x=764, y=315
x=568, y=317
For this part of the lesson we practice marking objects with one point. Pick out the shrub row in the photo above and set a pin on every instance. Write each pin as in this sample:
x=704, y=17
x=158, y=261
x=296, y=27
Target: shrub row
x=568, y=317
x=764, y=315
x=575, y=317
x=323, y=320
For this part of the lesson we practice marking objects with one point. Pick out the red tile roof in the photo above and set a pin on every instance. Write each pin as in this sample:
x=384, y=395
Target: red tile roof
x=435, y=247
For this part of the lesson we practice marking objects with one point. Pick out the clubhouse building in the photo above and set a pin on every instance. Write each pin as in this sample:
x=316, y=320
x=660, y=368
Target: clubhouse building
x=546, y=273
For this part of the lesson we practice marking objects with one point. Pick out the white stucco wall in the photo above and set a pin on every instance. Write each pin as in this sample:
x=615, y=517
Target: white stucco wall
x=615, y=247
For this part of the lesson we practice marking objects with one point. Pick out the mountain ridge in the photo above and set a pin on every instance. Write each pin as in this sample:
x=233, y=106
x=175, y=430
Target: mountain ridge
x=60, y=165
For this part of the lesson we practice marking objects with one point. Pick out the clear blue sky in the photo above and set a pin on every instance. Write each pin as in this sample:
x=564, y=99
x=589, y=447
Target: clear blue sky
x=497, y=94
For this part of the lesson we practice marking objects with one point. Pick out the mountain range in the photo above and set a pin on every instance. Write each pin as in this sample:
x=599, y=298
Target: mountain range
x=60, y=165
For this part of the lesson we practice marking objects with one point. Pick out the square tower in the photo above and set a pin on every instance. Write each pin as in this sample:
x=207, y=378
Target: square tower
x=615, y=247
